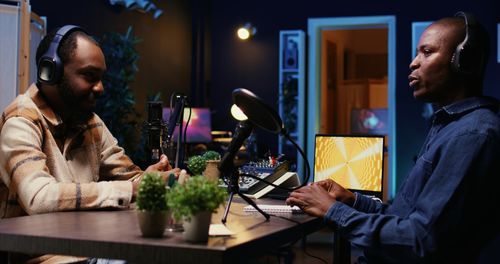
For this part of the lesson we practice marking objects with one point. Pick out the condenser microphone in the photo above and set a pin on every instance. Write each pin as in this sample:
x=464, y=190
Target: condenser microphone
x=155, y=128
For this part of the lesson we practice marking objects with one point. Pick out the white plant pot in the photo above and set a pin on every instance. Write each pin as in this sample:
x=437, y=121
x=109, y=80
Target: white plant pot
x=196, y=230
x=152, y=224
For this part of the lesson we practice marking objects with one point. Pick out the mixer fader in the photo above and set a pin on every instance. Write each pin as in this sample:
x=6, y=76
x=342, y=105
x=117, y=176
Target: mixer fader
x=264, y=169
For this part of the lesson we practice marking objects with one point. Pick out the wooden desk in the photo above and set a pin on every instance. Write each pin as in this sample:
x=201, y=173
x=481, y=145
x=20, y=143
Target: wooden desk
x=116, y=234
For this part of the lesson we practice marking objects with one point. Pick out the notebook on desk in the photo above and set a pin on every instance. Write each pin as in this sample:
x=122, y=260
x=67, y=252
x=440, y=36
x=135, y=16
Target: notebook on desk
x=354, y=161
x=274, y=209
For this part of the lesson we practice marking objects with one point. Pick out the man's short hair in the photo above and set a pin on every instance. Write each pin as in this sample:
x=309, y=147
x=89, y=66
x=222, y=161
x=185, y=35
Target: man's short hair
x=66, y=47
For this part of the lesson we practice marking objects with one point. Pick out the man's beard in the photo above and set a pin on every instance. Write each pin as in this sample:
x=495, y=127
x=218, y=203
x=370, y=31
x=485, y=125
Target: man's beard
x=75, y=115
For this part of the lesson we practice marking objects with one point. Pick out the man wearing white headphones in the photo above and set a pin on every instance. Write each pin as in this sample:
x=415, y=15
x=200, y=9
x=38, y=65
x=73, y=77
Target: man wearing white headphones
x=446, y=210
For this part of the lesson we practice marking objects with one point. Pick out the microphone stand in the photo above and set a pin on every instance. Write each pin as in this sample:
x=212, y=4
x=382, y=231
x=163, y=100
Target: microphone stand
x=230, y=172
x=179, y=154
x=156, y=128
x=176, y=119
x=234, y=188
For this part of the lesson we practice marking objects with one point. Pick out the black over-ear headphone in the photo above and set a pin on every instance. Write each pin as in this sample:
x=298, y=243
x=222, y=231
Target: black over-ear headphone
x=50, y=67
x=468, y=60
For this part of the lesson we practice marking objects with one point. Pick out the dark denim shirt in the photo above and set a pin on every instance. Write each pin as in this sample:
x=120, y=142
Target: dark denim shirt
x=447, y=207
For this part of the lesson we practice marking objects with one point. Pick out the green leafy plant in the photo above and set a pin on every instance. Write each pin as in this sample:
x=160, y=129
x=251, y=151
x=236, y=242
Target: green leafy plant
x=151, y=195
x=211, y=155
x=197, y=164
x=198, y=194
x=116, y=106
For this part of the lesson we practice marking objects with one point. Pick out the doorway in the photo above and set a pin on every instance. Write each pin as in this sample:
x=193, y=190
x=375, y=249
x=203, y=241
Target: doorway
x=352, y=77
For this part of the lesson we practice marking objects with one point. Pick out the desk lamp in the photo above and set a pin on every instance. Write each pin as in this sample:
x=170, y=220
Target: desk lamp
x=261, y=115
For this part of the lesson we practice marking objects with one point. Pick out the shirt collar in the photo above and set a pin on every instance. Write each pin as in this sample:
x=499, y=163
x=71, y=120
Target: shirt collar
x=39, y=99
x=468, y=105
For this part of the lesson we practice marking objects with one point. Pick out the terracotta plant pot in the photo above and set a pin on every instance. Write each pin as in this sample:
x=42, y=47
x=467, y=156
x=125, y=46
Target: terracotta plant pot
x=152, y=224
x=196, y=230
x=212, y=171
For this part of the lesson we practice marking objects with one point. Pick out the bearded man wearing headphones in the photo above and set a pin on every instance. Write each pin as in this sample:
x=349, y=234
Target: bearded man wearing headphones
x=446, y=210
x=55, y=153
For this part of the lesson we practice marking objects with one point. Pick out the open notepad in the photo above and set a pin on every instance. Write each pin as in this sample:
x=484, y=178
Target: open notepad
x=219, y=230
x=274, y=209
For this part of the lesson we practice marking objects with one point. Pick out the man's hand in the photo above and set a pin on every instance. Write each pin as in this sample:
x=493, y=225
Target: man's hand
x=337, y=191
x=313, y=199
x=162, y=165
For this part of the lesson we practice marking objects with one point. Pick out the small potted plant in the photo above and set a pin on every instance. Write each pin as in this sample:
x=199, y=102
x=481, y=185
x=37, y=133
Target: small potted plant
x=211, y=155
x=196, y=164
x=212, y=163
x=151, y=205
x=194, y=202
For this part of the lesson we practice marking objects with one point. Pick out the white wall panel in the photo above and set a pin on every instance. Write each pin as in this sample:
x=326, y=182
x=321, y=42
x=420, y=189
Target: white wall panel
x=9, y=28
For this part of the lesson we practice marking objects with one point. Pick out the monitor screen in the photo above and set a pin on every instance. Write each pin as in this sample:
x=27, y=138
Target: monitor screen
x=371, y=121
x=199, y=128
x=355, y=162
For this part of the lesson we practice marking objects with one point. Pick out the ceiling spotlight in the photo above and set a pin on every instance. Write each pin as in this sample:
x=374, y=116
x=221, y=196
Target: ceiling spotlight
x=246, y=31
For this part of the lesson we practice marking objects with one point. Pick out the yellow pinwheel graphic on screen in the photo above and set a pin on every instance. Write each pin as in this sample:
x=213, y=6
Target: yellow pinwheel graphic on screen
x=354, y=162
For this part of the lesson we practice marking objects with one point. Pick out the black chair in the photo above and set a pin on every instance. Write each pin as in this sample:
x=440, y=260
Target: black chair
x=4, y=257
x=341, y=249
x=490, y=253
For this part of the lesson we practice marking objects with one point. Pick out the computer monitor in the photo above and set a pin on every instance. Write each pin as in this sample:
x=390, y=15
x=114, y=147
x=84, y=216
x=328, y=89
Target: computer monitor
x=199, y=128
x=369, y=121
x=353, y=161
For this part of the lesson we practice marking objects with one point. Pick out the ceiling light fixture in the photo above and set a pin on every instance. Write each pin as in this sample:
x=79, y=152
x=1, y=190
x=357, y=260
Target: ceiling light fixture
x=246, y=31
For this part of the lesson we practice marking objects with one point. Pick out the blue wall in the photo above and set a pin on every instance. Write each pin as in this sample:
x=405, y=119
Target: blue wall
x=254, y=64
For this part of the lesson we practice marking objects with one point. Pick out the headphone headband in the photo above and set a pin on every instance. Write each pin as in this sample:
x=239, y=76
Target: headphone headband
x=466, y=59
x=50, y=67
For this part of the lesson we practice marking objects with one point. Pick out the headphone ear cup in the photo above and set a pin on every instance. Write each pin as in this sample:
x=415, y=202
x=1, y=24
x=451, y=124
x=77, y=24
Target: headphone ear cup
x=465, y=61
x=49, y=70
x=459, y=61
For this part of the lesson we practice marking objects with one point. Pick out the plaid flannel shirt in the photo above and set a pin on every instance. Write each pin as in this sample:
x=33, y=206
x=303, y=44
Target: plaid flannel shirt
x=46, y=167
